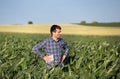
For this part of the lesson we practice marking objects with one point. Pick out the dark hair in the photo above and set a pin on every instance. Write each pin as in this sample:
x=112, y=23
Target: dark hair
x=54, y=27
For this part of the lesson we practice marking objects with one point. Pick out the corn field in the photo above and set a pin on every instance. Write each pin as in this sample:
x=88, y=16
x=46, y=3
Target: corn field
x=89, y=58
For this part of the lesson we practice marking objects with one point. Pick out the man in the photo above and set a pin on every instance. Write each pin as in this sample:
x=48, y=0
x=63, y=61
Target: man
x=53, y=47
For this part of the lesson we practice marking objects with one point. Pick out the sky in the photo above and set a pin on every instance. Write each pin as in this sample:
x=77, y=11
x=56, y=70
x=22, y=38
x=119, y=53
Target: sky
x=58, y=11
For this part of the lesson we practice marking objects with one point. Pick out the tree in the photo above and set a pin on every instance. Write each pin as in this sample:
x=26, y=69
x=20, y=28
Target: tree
x=30, y=22
x=83, y=22
x=94, y=22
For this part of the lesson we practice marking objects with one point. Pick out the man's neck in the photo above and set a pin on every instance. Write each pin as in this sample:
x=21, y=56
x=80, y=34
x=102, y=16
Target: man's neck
x=54, y=38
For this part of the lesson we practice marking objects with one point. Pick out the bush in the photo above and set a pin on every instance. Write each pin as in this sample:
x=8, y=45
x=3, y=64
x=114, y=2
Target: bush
x=30, y=22
x=94, y=22
x=83, y=22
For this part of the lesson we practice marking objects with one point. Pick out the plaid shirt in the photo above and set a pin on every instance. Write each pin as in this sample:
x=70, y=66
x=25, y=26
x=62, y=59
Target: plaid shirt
x=52, y=47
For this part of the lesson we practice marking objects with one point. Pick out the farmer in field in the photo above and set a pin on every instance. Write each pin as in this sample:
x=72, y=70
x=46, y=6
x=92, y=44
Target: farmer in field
x=53, y=46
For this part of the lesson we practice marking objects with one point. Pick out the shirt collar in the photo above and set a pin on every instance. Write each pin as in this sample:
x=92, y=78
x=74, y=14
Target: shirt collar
x=54, y=40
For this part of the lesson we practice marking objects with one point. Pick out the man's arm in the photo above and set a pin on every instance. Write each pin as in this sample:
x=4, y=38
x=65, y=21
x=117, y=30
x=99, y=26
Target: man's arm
x=66, y=48
x=63, y=58
x=38, y=47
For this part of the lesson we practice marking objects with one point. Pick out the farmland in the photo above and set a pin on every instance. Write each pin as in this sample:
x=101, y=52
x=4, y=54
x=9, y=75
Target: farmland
x=90, y=57
x=94, y=52
x=66, y=29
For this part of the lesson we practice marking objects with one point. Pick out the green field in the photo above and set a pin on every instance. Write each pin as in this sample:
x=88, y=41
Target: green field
x=90, y=57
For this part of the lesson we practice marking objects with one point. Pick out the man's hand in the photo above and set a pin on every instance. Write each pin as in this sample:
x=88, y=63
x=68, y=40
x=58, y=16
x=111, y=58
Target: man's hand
x=63, y=58
x=47, y=59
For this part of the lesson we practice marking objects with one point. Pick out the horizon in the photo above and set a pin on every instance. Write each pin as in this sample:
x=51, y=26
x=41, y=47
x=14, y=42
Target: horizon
x=58, y=23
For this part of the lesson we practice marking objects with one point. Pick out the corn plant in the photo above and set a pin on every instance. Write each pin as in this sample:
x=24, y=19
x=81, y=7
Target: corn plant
x=90, y=59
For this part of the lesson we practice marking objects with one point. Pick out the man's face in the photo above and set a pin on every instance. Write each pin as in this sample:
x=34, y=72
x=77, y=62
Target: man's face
x=57, y=33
